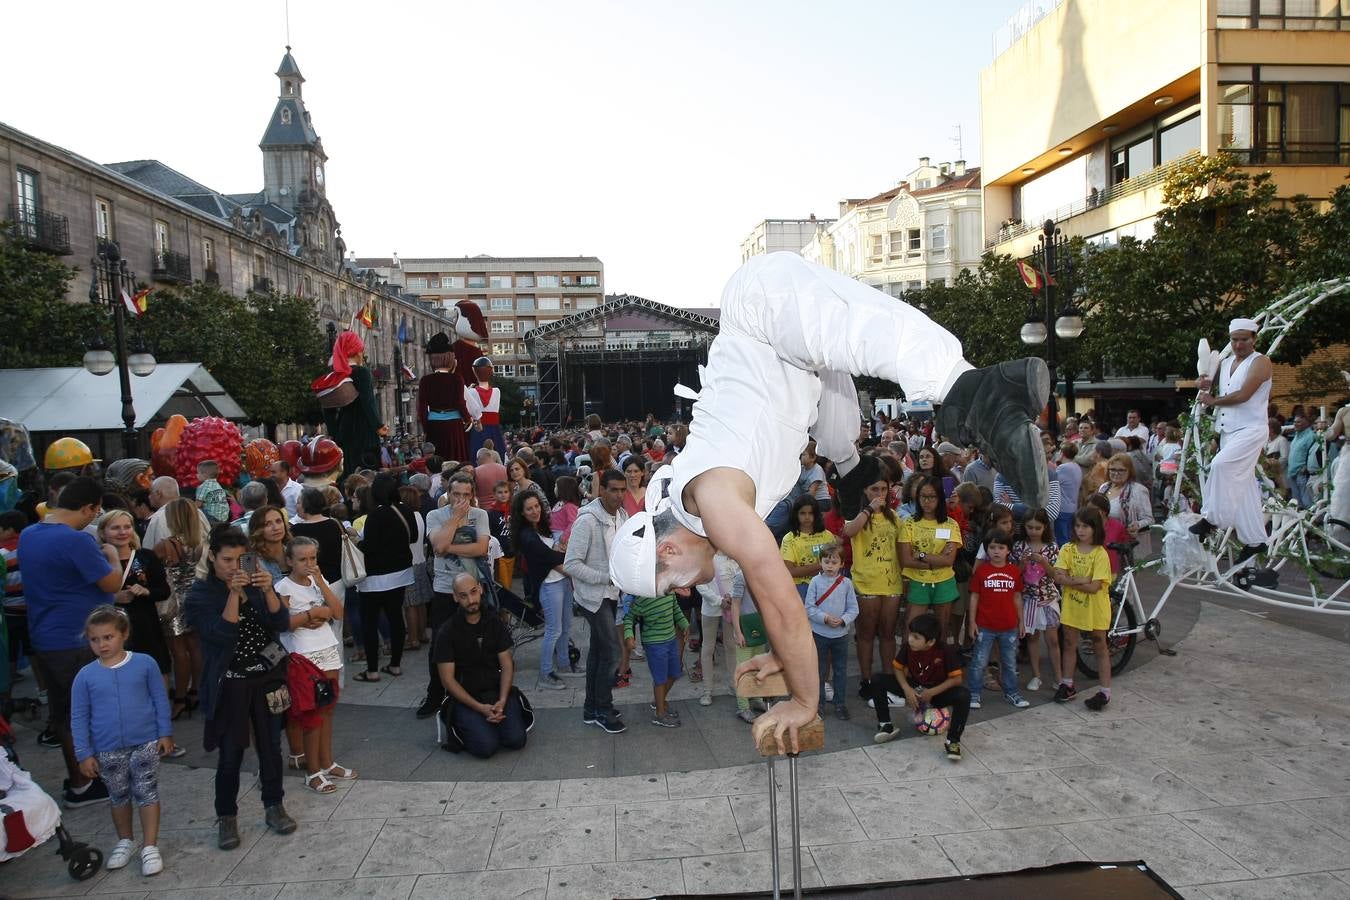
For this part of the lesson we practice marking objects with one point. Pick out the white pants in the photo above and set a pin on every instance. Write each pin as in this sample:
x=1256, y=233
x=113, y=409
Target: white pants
x=1340, y=497
x=1233, y=493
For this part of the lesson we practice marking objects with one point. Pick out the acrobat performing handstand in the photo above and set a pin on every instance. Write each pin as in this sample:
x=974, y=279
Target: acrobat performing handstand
x=793, y=335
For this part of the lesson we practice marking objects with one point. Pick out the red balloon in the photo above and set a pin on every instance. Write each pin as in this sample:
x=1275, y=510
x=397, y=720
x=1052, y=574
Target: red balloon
x=209, y=437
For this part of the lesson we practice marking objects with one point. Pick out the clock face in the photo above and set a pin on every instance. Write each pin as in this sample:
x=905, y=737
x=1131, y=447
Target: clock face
x=318, y=175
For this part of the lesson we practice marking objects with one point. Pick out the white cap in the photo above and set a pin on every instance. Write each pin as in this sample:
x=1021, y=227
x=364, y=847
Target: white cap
x=1243, y=325
x=632, y=557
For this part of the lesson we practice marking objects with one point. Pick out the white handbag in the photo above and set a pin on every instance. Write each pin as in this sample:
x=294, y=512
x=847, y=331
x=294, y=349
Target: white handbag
x=353, y=562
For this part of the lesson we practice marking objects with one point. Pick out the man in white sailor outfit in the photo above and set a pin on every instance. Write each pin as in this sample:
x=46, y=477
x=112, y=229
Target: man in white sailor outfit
x=484, y=403
x=1233, y=493
x=793, y=335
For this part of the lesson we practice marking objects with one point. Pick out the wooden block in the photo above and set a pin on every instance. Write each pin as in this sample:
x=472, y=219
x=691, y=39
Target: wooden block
x=773, y=686
x=810, y=736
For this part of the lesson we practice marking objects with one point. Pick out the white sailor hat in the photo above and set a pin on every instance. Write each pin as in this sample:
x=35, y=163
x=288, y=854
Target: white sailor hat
x=632, y=558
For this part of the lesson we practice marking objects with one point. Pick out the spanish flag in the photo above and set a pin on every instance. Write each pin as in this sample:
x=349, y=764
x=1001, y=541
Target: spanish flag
x=137, y=304
x=367, y=316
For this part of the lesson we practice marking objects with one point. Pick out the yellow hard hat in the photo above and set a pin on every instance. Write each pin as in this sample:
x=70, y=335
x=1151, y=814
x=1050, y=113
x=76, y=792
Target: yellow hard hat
x=67, y=453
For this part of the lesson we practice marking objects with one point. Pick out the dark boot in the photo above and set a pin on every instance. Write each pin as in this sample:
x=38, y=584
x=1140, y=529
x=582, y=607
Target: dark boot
x=227, y=837
x=848, y=489
x=1202, y=529
x=279, y=820
x=996, y=407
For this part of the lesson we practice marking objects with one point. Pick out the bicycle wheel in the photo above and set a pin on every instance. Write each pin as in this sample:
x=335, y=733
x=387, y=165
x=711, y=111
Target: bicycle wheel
x=1120, y=640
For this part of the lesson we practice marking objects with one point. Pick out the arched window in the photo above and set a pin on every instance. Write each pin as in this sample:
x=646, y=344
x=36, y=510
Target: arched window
x=285, y=116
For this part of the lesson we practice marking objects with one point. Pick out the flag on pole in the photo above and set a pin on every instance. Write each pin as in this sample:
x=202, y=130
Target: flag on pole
x=403, y=330
x=408, y=373
x=1031, y=277
x=367, y=315
x=137, y=304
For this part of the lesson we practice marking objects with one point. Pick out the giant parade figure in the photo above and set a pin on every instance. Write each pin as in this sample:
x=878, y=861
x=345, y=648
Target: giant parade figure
x=441, y=402
x=485, y=408
x=347, y=395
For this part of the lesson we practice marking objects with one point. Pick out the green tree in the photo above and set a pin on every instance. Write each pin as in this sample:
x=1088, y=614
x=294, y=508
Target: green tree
x=37, y=326
x=513, y=400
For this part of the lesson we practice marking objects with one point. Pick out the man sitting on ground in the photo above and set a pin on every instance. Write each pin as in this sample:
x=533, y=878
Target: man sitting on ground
x=473, y=656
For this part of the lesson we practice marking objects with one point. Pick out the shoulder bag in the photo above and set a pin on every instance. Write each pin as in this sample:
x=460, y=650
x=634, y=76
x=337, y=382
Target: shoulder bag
x=353, y=560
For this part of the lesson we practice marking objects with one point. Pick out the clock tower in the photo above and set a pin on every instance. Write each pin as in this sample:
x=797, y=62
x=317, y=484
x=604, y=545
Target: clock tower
x=293, y=157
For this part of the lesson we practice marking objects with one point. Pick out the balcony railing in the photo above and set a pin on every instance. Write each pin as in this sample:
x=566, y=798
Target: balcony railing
x=211, y=276
x=172, y=267
x=261, y=285
x=1151, y=178
x=40, y=229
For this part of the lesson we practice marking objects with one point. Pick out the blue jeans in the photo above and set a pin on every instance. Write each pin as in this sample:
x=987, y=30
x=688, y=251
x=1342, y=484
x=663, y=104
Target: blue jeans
x=601, y=657
x=1064, y=527
x=556, y=599
x=1302, y=495
x=837, y=651
x=1007, y=665
x=483, y=738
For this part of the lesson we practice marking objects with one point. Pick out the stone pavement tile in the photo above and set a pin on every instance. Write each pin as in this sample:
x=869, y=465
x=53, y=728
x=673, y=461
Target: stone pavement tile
x=320, y=850
x=590, y=751
x=1003, y=746
x=1313, y=886
x=1324, y=766
x=1171, y=849
x=41, y=873
x=1125, y=704
x=441, y=765
x=397, y=888
x=508, y=884
x=911, y=808
x=890, y=860
x=1008, y=849
x=495, y=796
x=303, y=804
x=675, y=828
x=1187, y=734
x=425, y=845
x=393, y=799
x=728, y=873
x=919, y=758
x=1265, y=840
x=1133, y=789
x=1024, y=798
x=1116, y=741
x=229, y=892
x=1238, y=778
x=601, y=881
x=191, y=860
x=747, y=779
x=826, y=818
x=627, y=789
x=648, y=748
x=388, y=760
x=189, y=797
x=554, y=837
x=1299, y=724
x=832, y=769
x=1331, y=812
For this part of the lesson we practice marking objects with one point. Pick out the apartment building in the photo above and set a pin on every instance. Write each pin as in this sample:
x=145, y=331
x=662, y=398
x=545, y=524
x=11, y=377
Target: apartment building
x=772, y=235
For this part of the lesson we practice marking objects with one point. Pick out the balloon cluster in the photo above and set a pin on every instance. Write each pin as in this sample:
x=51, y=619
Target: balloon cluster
x=209, y=437
x=259, y=455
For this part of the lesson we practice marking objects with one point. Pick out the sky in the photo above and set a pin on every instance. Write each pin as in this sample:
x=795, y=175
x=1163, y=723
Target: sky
x=652, y=135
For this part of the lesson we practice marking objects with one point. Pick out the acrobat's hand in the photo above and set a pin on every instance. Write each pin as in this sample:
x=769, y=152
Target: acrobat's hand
x=763, y=666
x=783, y=720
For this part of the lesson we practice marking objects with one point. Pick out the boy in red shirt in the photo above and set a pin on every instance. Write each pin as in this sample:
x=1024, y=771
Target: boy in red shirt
x=996, y=615
x=930, y=675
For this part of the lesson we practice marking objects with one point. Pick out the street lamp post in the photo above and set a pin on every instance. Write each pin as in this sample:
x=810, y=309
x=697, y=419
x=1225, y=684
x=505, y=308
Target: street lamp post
x=111, y=282
x=398, y=389
x=1042, y=324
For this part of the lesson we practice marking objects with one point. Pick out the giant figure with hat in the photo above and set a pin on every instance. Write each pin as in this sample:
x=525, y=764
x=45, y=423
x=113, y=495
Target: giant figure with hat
x=441, y=404
x=469, y=328
x=485, y=408
x=350, y=413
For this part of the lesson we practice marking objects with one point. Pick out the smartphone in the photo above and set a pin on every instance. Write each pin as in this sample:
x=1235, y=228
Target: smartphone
x=249, y=563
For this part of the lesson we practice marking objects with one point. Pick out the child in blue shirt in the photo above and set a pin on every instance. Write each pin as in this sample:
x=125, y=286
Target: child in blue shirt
x=832, y=605
x=119, y=718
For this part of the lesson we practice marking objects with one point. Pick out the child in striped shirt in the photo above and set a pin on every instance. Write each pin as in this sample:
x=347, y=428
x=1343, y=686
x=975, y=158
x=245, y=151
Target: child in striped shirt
x=660, y=618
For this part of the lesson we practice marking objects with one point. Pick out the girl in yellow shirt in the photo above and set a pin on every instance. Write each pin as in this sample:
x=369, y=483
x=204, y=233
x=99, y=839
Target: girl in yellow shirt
x=1083, y=570
x=802, y=544
x=874, y=533
x=928, y=545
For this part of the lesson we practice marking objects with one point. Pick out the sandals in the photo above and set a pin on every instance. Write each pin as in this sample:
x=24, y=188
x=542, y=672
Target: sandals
x=389, y=670
x=295, y=761
x=337, y=770
x=365, y=675
x=319, y=783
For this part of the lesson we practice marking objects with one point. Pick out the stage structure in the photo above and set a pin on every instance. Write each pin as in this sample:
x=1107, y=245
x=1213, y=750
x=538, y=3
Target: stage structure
x=621, y=360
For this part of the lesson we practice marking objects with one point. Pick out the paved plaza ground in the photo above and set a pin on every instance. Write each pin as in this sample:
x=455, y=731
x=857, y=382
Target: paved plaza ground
x=1223, y=767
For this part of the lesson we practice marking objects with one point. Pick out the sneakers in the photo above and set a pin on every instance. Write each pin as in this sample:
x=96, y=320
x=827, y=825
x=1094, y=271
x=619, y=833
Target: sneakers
x=48, y=738
x=706, y=699
x=623, y=679
x=637, y=654
x=892, y=699
x=152, y=863
x=997, y=408
x=121, y=854
x=1097, y=701
x=278, y=819
x=667, y=721
x=1250, y=550
x=670, y=710
x=841, y=713
x=608, y=724
x=1034, y=684
x=227, y=832
x=975, y=702
x=849, y=488
x=1064, y=693
x=829, y=692
x=94, y=792
x=953, y=749
x=550, y=682
x=885, y=732
x=745, y=715
x=1017, y=700
x=427, y=709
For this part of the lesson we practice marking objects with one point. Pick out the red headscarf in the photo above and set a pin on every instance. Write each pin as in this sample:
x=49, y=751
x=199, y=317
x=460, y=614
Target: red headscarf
x=347, y=345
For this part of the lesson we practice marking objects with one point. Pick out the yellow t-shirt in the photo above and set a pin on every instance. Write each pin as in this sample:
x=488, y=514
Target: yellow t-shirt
x=1079, y=609
x=804, y=549
x=876, y=564
x=931, y=538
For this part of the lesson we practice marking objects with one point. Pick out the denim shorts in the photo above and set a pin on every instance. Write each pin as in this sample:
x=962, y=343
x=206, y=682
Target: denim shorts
x=663, y=660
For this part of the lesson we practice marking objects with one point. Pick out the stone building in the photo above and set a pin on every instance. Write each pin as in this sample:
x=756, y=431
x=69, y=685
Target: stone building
x=174, y=231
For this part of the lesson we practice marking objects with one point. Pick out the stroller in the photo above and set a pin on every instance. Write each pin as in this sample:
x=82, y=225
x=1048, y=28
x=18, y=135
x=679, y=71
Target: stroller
x=32, y=818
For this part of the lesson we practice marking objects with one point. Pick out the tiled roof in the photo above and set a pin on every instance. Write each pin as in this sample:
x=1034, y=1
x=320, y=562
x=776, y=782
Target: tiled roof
x=967, y=182
x=296, y=132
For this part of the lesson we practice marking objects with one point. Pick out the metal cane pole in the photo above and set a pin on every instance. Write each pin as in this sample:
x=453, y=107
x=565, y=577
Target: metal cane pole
x=796, y=828
x=773, y=827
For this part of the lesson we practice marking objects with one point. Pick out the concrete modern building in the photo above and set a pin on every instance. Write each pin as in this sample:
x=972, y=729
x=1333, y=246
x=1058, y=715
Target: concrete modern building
x=1090, y=101
x=772, y=235
x=927, y=228
x=173, y=230
x=516, y=294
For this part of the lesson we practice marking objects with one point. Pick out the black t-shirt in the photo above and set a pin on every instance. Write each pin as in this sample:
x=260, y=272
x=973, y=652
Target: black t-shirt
x=930, y=667
x=328, y=532
x=473, y=648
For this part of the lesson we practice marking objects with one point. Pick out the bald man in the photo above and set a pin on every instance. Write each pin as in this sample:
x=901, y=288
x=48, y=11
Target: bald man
x=164, y=490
